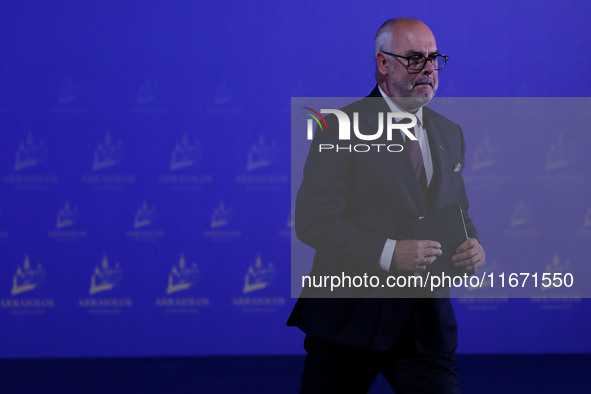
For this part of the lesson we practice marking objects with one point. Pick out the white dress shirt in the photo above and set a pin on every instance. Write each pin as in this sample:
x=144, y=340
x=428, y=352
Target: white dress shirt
x=421, y=134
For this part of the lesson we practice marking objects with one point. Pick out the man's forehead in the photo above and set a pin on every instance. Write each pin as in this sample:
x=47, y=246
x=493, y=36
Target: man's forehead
x=414, y=36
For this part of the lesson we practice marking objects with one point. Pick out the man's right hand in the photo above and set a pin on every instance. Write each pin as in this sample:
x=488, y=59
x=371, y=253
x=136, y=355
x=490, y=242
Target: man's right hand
x=413, y=255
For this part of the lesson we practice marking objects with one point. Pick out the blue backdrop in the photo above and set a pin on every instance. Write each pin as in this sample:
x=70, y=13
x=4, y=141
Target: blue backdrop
x=145, y=174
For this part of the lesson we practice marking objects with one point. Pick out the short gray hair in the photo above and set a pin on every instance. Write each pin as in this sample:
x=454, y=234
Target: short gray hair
x=385, y=36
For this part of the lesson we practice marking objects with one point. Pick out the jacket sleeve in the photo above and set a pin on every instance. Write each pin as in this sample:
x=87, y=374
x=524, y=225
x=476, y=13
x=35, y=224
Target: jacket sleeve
x=325, y=204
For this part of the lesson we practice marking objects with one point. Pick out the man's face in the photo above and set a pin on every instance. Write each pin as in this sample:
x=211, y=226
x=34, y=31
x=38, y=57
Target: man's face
x=411, y=38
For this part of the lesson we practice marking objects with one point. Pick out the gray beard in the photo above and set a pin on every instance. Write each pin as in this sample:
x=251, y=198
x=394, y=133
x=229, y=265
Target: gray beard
x=412, y=104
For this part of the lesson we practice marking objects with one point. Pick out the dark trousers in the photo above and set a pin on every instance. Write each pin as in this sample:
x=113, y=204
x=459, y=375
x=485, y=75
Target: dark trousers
x=335, y=368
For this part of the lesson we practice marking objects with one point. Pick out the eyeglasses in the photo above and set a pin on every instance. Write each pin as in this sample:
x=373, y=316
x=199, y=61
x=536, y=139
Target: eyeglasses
x=418, y=62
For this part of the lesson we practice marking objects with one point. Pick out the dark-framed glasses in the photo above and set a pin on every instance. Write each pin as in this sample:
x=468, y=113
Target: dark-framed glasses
x=418, y=62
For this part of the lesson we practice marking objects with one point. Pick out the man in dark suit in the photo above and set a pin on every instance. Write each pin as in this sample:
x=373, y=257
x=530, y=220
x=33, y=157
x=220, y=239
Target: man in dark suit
x=355, y=210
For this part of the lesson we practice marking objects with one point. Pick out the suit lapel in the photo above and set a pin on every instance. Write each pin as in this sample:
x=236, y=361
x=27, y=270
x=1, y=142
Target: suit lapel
x=401, y=160
x=437, y=146
x=404, y=165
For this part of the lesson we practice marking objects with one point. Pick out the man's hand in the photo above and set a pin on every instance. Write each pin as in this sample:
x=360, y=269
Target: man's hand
x=469, y=255
x=412, y=255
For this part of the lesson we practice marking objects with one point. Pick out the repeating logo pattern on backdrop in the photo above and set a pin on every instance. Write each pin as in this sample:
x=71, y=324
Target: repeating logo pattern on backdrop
x=184, y=171
x=520, y=223
x=65, y=229
x=261, y=157
x=106, y=166
x=485, y=172
x=222, y=226
x=143, y=224
x=259, y=277
x=104, y=278
x=30, y=158
x=560, y=170
x=26, y=282
x=182, y=292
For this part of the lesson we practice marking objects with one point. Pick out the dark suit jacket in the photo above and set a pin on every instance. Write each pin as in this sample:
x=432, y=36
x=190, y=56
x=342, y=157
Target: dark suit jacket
x=346, y=208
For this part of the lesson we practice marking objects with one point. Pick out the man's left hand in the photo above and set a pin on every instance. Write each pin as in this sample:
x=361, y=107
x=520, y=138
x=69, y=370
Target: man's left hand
x=469, y=255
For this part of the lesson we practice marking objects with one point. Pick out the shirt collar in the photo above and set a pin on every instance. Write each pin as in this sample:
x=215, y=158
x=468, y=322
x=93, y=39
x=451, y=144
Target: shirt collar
x=395, y=108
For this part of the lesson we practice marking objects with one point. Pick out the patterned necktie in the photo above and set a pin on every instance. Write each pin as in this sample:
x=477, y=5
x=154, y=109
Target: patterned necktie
x=414, y=149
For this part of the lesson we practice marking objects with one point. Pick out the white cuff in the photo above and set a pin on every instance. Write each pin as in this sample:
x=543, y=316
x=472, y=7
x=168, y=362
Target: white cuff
x=387, y=254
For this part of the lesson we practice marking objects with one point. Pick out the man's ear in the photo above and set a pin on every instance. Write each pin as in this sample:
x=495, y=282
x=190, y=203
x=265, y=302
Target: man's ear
x=382, y=63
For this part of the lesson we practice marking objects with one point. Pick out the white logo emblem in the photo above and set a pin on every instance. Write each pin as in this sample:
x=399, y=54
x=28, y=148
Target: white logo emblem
x=258, y=277
x=181, y=277
x=29, y=153
x=105, y=278
x=26, y=278
x=107, y=154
